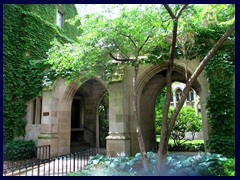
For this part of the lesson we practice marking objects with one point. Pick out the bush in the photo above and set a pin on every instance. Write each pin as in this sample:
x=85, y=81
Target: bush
x=19, y=150
x=192, y=147
x=203, y=164
x=223, y=168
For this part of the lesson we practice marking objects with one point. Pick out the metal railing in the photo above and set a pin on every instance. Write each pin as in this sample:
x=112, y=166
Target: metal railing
x=43, y=152
x=36, y=153
x=56, y=166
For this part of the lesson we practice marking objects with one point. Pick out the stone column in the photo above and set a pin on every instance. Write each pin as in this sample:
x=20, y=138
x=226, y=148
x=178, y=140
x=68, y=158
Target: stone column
x=195, y=103
x=174, y=99
x=205, y=125
x=49, y=128
x=118, y=141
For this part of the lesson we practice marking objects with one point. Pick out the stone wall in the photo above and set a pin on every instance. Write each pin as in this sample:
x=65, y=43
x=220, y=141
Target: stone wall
x=55, y=128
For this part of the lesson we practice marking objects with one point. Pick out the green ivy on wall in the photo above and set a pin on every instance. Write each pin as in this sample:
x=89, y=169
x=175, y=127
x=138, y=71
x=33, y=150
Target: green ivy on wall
x=27, y=38
x=219, y=72
x=220, y=104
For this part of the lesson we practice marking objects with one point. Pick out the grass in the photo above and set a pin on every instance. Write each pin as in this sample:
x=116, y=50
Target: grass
x=171, y=141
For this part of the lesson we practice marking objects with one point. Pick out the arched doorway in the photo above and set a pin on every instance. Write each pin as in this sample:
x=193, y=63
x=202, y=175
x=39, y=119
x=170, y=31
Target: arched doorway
x=84, y=115
x=190, y=116
x=150, y=85
x=70, y=115
x=103, y=119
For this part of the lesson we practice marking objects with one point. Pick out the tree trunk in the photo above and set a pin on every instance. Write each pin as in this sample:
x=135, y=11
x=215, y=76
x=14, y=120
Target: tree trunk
x=163, y=146
x=197, y=72
x=162, y=151
x=136, y=118
x=164, y=138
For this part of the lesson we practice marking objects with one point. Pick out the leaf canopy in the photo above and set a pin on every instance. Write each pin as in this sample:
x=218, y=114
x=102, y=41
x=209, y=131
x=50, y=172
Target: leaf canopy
x=139, y=31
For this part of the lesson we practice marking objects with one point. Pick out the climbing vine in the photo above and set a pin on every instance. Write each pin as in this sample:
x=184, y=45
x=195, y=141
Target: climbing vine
x=221, y=102
x=27, y=38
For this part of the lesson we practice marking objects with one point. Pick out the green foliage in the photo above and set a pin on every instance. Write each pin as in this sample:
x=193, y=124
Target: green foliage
x=187, y=120
x=48, y=13
x=222, y=168
x=200, y=26
x=221, y=100
x=192, y=147
x=199, y=165
x=102, y=36
x=159, y=110
x=204, y=164
x=27, y=38
x=19, y=150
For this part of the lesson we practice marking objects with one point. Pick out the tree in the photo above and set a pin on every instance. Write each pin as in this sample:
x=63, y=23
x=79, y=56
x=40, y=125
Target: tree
x=187, y=121
x=120, y=40
x=142, y=42
x=167, y=125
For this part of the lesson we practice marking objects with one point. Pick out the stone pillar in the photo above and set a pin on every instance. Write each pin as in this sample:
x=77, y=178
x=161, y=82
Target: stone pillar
x=195, y=103
x=49, y=126
x=118, y=141
x=174, y=99
x=205, y=125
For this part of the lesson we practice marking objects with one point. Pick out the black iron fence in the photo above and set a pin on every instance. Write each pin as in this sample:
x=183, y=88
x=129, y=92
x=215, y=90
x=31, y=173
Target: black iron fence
x=43, y=152
x=17, y=158
x=56, y=166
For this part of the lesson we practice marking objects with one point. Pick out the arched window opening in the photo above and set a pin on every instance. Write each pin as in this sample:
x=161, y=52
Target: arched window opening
x=36, y=110
x=103, y=120
x=189, y=118
x=178, y=94
x=190, y=96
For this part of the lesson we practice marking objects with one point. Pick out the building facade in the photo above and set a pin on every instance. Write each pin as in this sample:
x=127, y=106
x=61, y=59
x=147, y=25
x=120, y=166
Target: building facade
x=58, y=103
x=66, y=113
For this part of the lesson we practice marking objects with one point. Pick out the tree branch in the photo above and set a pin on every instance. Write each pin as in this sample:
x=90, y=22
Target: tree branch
x=197, y=72
x=121, y=60
x=169, y=11
x=180, y=10
x=129, y=37
x=132, y=41
x=126, y=56
x=146, y=40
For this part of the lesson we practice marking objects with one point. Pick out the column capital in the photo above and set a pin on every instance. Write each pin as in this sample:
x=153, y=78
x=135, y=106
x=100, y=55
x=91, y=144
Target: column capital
x=118, y=136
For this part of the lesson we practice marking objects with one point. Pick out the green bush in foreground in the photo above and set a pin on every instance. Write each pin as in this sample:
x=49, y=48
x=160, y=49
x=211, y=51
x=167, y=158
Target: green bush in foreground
x=19, y=150
x=203, y=164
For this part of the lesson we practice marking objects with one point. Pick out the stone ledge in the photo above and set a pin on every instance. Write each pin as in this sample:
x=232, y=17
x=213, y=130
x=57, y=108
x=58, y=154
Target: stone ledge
x=48, y=136
x=118, y=137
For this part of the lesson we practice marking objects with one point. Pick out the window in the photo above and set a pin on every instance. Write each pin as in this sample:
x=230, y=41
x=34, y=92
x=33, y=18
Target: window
x=190, y=96
x=60, y=19
x=178, y=94
x=171, y=98
x=36, y=110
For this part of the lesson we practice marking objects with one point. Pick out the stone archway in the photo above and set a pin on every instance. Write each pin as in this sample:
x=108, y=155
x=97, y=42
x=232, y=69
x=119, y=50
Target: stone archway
x=150, y=84
x=151, y=79
x=57, y=105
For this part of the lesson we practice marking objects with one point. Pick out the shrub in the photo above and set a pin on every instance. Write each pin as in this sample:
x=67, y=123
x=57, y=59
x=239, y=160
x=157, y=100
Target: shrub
x=19, y=150
x=204, y=164
x=223, y=168
x=192, y=147
x=200, y=165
